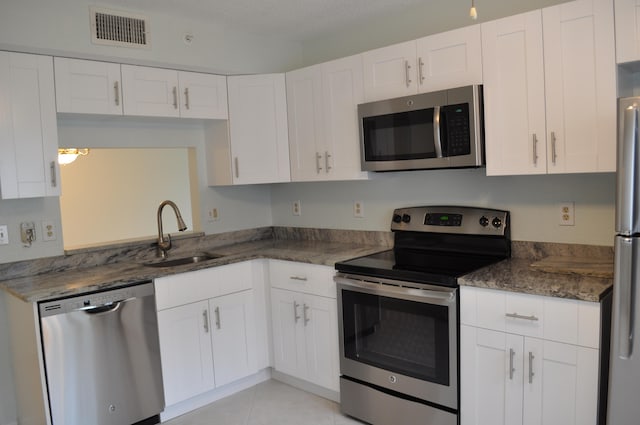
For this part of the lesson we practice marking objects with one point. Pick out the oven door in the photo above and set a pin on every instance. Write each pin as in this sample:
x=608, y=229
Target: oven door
x=400, y=338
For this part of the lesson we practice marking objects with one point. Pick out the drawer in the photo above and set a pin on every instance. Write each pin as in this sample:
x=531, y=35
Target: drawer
x=554, y=319
x=185, y=288
x=302, y=277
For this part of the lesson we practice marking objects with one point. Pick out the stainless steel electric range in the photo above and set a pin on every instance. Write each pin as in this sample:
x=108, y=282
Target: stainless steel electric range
x=398, y=314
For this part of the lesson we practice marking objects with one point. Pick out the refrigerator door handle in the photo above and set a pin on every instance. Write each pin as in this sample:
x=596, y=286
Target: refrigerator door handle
x=625, y=275
x=627, y=163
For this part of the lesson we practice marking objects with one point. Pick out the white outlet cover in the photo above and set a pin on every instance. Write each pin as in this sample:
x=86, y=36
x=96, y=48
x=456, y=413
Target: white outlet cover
x=566, y=211
x=296, y=208
x=48, y=231
x=358, y=209
x=4, y=235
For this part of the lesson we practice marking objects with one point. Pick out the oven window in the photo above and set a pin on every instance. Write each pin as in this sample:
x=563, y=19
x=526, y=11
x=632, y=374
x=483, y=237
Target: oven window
x=399, y=136
x=405, y=337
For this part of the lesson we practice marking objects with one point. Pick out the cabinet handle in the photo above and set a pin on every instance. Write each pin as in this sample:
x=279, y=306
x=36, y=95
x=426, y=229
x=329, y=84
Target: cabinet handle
x=304, y=278
x=407, y=78
x=420, y=71
x=512, y=369
x=535, y=149
x=305, y=308
x=295, y=312
x=175, y=97
x=186, y=98
x=553, y=148
x=327, y=167
x=217, y=312
x=116, y=90
x=237, y=167
x=54, y=177
x=519, y=316
x=205, y=319
x=531, y=374
x=318, y=158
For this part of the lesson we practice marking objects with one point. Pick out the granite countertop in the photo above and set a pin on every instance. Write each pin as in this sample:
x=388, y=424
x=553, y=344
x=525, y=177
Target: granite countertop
x=518, y=275
x=78, y=280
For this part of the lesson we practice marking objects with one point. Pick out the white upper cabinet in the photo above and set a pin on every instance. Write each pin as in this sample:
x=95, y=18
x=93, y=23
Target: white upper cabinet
x=437, y=62
x=549, y=90
x=88, y=87
x=450, y=59
x=28, y=127
x=259, y=142
x=203, y=96
x=168, y=93
x=514, y=111
x=580, y=86
x=627, y=18
x=322, y=104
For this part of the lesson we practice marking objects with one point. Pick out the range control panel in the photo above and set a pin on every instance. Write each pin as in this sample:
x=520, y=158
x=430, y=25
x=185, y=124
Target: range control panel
x=451, y=219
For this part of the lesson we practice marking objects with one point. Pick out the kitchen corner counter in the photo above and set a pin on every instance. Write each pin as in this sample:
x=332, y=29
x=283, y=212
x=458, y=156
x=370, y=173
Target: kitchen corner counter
x=517, y=275
x=65, y=282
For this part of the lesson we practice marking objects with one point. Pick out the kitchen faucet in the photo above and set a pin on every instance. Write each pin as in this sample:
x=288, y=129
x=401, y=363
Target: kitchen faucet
x=165, y=245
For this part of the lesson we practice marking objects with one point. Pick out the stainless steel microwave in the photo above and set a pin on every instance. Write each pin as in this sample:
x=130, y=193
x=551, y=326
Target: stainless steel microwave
x=442, y=129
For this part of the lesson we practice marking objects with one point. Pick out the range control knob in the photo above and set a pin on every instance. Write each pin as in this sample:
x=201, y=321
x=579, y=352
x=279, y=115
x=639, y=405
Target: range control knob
x=406, y=218
x=397, y=218
x=484, y=221
x=496, y=222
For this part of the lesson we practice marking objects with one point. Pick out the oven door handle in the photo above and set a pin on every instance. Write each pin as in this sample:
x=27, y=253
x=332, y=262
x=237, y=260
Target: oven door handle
x=447, y=296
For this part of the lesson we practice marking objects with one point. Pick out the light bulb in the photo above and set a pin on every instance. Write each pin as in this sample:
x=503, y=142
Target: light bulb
x=473, y=13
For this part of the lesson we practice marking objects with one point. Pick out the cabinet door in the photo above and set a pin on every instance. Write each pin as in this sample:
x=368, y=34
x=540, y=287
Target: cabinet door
x=288, y=332
x=580, y=86
x=233, y=336
x=203, y=95
x=450, y=59
x=561, y=384
x=319, y=316
x=491, y=377
x=150, y=91
x=28, y=127
x=306, y=124
x=88, y=87
x=343, y=90
x=514, y=101
x=258, y=129
x=390, y=72
x=185, y=350
x=627, y=23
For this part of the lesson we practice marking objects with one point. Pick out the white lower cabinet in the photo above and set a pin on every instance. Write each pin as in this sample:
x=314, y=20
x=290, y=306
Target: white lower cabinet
x=305, y=325
x=509, y=377
x=208, y=329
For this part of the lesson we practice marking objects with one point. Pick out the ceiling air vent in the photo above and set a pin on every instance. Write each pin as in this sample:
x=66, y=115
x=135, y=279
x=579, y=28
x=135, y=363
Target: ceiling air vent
x=116, y=28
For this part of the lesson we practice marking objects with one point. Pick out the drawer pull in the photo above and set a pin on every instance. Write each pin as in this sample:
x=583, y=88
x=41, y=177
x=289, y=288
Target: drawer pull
x=302, y=278
x=531, y=374
x=519, y=316
x=512, y=369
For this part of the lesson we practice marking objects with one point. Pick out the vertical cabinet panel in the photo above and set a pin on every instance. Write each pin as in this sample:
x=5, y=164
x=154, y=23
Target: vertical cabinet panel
x=514, y=95
x=390, y=71
x=258, y=129
x=88, y=87
x=28, y=127
x=320, y=320
x=580, y=86
x=150, y=91
x=203, y=96
x=288, y=338
x=185, y=349
x=627, y=20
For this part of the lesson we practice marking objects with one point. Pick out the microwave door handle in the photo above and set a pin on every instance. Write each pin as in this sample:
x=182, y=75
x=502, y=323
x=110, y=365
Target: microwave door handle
x=436, y=131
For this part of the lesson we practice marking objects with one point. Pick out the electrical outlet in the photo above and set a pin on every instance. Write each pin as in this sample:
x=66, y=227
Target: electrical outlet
x=567, y=214
x=4, y=235
x=296, y=208
x=214, y=214
x=48, y=231
x=27, y=233
x=358, y=209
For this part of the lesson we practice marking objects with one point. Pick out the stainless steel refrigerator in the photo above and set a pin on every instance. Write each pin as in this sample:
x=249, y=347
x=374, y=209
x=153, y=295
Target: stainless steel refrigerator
x=624, y=372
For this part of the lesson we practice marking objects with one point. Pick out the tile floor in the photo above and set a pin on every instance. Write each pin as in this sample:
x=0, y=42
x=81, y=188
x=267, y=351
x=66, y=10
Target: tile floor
x=268, y=403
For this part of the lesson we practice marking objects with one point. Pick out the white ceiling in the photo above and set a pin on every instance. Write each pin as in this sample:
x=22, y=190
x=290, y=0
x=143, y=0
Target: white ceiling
x=297, y=20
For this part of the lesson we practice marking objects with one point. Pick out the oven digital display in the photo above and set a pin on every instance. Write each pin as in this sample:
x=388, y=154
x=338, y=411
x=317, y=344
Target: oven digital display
x=443, y=219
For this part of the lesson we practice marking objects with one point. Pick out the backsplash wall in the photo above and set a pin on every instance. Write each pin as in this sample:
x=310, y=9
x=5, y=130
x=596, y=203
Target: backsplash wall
x=532, y=200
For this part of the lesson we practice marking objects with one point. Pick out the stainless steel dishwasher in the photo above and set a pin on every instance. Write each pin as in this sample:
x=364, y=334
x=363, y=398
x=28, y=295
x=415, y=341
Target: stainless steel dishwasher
x=102, y=357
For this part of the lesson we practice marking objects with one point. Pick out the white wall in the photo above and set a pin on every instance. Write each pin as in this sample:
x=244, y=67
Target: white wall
x=532, y=200
x=62, y=27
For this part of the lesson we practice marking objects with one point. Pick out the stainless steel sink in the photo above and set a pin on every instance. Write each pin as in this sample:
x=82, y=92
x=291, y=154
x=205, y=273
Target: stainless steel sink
x=198, y=258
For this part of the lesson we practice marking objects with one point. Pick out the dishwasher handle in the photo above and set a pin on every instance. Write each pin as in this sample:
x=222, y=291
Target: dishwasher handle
x=111, y=307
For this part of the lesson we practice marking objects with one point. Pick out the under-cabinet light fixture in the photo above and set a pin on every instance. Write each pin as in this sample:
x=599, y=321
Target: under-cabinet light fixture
x=68, y=155
x=473, y=13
